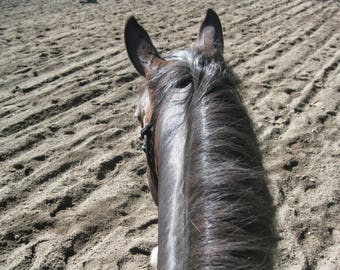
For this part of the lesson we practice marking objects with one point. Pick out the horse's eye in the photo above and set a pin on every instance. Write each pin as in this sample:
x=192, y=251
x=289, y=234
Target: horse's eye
x=184, y=82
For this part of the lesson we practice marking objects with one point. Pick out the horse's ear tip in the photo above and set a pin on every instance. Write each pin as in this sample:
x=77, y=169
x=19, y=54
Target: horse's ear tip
x=131, y=21
x=211, y=12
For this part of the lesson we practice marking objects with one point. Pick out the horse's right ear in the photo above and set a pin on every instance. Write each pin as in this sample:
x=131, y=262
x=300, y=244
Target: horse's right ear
x=141, y=51
x=210, y=36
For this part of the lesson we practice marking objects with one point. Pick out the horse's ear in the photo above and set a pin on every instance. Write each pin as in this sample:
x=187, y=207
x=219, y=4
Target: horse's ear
x=210, y=37
x=141, y=51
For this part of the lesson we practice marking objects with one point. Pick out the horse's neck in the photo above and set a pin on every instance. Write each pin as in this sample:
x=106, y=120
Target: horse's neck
x=171, y=188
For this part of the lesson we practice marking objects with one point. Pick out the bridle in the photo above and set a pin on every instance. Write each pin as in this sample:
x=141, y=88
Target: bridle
x=147, y=137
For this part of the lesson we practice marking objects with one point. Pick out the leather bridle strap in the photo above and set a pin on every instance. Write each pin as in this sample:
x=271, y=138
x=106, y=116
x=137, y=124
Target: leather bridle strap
x=146, y=136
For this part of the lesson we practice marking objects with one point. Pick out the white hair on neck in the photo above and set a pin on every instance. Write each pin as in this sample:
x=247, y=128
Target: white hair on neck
x=154, y=258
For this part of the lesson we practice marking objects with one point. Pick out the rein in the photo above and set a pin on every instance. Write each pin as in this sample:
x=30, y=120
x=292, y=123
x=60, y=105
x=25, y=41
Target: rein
x=146, y=136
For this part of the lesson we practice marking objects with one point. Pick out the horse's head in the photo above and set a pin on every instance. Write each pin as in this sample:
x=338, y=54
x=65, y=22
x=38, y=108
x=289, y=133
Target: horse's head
x=148, y=62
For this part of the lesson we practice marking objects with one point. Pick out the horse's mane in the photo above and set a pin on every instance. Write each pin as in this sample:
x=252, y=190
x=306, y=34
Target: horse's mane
x=229, y=210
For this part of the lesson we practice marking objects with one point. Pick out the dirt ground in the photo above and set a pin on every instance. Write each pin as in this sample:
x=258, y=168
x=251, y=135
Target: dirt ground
x=73, y=193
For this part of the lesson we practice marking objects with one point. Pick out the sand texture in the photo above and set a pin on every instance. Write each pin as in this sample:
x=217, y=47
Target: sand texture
x=73, y=191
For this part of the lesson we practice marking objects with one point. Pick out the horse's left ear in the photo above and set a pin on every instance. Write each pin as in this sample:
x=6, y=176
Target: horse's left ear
x=210, y=37
x=141, y=51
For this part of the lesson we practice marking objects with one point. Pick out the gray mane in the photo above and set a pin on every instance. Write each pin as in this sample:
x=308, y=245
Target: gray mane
x=228, y=209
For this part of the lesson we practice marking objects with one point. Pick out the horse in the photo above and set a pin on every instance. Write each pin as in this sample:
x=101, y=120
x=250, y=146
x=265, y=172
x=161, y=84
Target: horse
x=205, y=169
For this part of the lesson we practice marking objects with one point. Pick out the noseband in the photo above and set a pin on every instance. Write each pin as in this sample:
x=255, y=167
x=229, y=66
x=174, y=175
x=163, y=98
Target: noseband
x=146, y=136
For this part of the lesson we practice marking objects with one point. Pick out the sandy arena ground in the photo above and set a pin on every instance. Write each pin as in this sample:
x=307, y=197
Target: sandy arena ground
x=72, y=175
